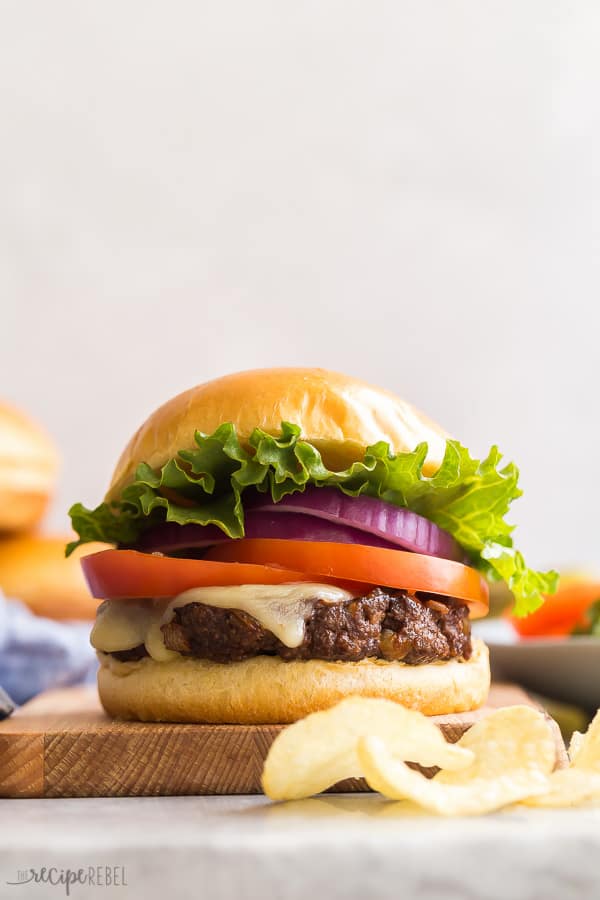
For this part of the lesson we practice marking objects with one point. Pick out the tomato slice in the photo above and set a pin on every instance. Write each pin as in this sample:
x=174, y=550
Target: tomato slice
x=561, y=612
x=371, y=565
x=128, y=574
x=123, y=574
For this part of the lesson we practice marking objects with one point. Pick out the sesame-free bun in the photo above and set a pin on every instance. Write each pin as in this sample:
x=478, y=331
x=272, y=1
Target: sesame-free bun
x=33, y=569
x=340, y=415
x=28, y=469
x=269, y=690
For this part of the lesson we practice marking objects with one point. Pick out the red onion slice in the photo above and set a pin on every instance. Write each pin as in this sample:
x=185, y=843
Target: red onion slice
x=170, y=537
x=318, y=514
x=399, y=526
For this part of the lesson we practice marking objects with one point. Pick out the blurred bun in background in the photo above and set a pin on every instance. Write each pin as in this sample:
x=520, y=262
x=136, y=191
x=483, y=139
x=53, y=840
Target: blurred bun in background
x=33, y=569
x=28, y=469
x=37, y=583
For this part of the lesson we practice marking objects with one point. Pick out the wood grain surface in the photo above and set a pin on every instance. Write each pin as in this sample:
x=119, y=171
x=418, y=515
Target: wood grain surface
x=63, y=745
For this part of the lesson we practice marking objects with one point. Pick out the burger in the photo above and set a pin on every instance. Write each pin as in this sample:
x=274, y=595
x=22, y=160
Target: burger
x=33, y=569
x=28, y=470
x=288, y=537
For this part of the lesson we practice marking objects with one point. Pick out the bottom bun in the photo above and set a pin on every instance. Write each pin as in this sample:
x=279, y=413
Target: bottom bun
x=268, y=690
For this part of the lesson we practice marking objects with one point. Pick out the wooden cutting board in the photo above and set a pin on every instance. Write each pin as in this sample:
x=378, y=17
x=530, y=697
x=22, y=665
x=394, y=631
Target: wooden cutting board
x=62, y=745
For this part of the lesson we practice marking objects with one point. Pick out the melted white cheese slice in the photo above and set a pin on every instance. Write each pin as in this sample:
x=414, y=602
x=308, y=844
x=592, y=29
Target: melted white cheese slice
x=282, y=609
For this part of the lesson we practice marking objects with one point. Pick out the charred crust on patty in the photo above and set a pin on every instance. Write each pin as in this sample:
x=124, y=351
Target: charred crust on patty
x=391, y=625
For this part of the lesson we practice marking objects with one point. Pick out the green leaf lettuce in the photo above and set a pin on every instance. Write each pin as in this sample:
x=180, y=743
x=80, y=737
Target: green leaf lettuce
x=466, y=497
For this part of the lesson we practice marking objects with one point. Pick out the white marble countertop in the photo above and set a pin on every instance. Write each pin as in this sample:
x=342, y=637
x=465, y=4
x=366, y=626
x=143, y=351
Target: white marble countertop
x=328, y=847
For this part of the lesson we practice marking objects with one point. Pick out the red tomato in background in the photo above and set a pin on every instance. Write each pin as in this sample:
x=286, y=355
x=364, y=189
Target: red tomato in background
x=561, y=612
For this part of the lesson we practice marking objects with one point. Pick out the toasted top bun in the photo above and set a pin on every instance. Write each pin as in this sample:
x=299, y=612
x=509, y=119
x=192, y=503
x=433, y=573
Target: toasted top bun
x=33, y=569
x=340, y=415
x=28, y=468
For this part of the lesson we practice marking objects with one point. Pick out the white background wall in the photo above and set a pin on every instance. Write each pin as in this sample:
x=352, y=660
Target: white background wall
x=407, y=191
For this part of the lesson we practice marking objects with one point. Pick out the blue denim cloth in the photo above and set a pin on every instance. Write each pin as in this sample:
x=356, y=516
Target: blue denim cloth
x=37, y=654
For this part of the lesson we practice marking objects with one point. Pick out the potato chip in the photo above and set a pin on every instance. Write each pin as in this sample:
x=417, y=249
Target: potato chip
x=584, y=749
x=575, y=745
x=320, y=750
x=511, y=738
x=514, y=752
x=580, y=783
x=568, y=787
x=397, y=781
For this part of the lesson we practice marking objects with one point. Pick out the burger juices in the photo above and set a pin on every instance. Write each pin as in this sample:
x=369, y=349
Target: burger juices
x=288, y=537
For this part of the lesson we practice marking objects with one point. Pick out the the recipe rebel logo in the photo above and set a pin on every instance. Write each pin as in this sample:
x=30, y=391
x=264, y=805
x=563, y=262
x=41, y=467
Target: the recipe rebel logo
x=91, y=876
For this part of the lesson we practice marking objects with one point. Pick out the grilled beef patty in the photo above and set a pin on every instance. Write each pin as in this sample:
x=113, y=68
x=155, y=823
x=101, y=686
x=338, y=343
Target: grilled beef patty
x=392, y=625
